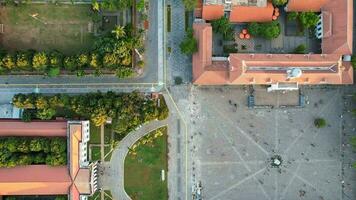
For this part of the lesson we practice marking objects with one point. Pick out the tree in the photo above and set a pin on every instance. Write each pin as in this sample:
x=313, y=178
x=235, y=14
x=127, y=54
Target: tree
x=223, y=27
x=46, y=114
x=69, y=63
x=23, y=61
x=292, y=16
x=279, y=2
x=82, y=60
x=119, y=32
x=320, y=123
x=95, y=6
x=8, y=62
x=190, y=4
x=39, y=61
x=55, y=59
x=94, y=61
x=41, y=102
x=308, y=19
x=268, y=30
x=189, y=45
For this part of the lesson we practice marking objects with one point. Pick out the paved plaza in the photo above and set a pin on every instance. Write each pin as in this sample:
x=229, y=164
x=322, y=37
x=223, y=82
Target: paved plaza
x=231, y=146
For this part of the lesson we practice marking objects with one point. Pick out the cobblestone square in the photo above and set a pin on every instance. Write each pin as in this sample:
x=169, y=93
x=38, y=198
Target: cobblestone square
x=232, y=146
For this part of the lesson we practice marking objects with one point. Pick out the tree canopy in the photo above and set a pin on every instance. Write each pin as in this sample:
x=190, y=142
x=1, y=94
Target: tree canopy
x=127, y=110
x=268, y=30
x=189, y=45
x=16, y=151
x=190, y=4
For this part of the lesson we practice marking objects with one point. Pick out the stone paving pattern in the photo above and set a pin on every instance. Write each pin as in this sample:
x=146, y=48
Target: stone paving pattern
x=230, y=146
x=179, y=65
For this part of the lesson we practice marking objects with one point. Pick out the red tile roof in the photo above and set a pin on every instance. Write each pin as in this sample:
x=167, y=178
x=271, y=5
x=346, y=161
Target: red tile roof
x=330, y=69
x=239, y=69
x=34, y=180
x=211, y=12
x=251, y=13
x=305, y=5
x=35, y=128
x=43, y=179
x=339, y=39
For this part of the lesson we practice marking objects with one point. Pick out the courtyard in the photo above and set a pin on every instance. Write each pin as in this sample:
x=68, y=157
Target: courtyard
x=233, y=147
x=289, y=39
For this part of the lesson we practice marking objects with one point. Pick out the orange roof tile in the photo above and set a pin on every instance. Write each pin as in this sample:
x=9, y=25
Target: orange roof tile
x=34, y=180
x=203, y=33
x=339, y=39
x=82, y=181
x=74, y=193
x=211, y=12
x=35, y=128
x=74, y=131
x=251, y=13
x=305, y=5
x=330, y=69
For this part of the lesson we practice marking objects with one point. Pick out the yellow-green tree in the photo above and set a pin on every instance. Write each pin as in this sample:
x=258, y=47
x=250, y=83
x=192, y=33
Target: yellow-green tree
x=39, y=61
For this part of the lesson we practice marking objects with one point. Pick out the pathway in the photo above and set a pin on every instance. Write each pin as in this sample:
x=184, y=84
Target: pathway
x=114, y=171
x=102, y=150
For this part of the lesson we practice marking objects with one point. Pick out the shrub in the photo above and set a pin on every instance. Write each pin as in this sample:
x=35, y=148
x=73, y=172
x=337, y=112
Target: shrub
x=320, y=123
x=28, y=115
x=55, y=60
x=39, y=61
x=268, y=30
x=190, y=4
x=53, y=71
x=353, y=61
x=141, y=63
x=178, y=80
x=353, y=142
x=308, y=19
x=124, y=72
x=279, y=2
x=189, y=45
x=292, y=16
x=140, y=5
x=300, y=49
x=110, y=60
x=69, y=63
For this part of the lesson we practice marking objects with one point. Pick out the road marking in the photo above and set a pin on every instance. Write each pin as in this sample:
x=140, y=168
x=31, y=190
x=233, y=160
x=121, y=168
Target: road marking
x=308, y=126
x=186, y=139
x=231, y=163
x=240, y=130
x=238, y=183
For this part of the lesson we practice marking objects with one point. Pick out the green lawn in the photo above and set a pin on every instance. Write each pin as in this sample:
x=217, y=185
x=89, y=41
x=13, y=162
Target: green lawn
x=96, y=195
x=47, y=27
x=143, y=171
x=95, y=134
x=95, y=153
